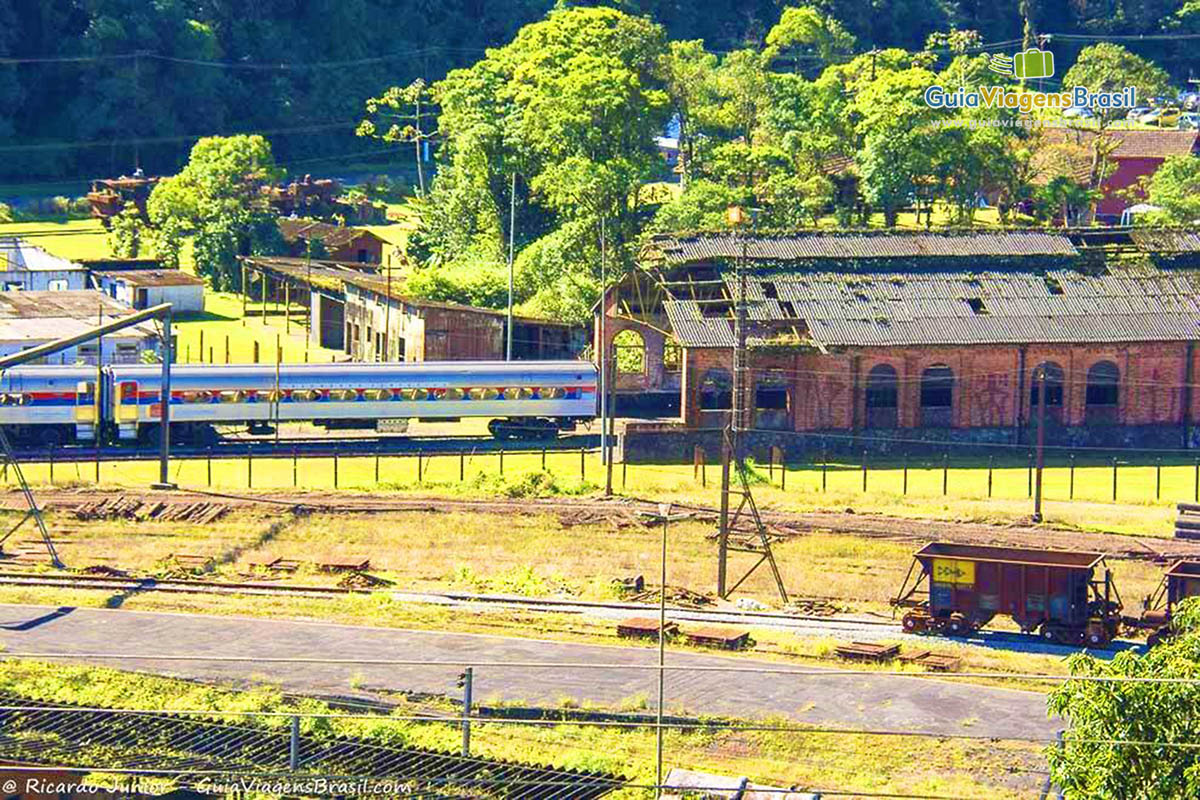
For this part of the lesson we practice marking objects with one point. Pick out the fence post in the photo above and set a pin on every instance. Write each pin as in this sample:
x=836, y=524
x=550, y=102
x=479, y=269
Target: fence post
x=377, y=463
x=421, y=466
x=904, y=488
x=227, y=348
x=97, y=462
x=864, y=468
x=543, y=459
x=208, y=461
x=1114, y=479
x=782, y=472
x=582, y=464
x=335, y=469
x=501, y=461
x=294, y=745
x=256, y=351
x=249, y=468
x=1071, y=491
x=295, y=469
x=946, y=473
x=1196, y=490
x=1158, y=478
x=991, y=465
x=824, y=469
x=624, y=468
x=1029, y=477
x=462, y=466
x=51, y=457
x=465, y=681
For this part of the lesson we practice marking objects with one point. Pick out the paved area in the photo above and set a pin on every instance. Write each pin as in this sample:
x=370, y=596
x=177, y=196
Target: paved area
x=932, y=705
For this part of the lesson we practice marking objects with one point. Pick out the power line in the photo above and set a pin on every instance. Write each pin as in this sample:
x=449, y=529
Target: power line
x=172, y=139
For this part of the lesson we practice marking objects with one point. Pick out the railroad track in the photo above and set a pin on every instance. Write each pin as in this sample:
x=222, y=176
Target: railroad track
x=846, y=627
x=316, y=446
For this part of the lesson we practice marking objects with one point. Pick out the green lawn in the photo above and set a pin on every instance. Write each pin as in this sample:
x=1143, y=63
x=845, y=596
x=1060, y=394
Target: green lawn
x=76, y=238
x=1143, y=506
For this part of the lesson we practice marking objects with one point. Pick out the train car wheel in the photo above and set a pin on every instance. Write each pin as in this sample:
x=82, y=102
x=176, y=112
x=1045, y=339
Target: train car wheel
x=958, y=626
x=51, y=437
x=913, y=623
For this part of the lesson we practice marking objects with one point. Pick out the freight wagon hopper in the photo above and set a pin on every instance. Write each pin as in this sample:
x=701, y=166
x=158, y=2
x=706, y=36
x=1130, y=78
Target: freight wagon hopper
x=1181, y=581
x=955, y=589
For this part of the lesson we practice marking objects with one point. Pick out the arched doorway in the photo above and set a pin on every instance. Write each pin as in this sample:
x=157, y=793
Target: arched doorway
x=882, y=398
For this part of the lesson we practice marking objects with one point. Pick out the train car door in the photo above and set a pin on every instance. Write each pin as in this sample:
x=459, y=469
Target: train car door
x=87, y=411
x=126, y=415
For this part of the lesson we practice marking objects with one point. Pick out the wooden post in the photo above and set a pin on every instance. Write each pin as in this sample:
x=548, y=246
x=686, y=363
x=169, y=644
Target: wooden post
x=991, y=463
x=210, y=355
x=200, y=349
x=208, y=461
x=462, y=466
x=335, y=469
x=864, y=469
x=824, y=470
x=245, y=291
x=227, y=348
x=376, y=464
x=1071, y=492
x=50, y=458
x=502, y=459
x=1114, y=480
x=264, y=298
x=946, y=473
x=256, y=351
x=249, y=469
x=904, y=491
x=295, y=470
x=582, y=464
x=421, y=466
x=287, y=307
x=1158, y=479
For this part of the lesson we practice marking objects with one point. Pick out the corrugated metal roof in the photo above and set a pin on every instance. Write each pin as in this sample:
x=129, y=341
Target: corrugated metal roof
x=804, y=246
x=1166, y=241
x=1060, y=306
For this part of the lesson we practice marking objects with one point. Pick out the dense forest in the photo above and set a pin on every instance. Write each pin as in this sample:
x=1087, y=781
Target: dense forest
x=89, y=87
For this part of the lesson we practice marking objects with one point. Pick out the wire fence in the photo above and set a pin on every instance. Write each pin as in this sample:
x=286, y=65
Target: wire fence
x=1067, y=476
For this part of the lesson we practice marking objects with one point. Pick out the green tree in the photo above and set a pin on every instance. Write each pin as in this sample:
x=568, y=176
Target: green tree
x=126, y=232
x=571, y=105
x=1175, y=187
x=402, y=114
x=690, y=75
x=1108, y=67
x=1102, y=753
x=803, y=32
x=216, y=199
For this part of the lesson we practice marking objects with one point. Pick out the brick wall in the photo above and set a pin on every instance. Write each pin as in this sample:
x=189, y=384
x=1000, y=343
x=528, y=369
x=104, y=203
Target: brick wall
x=992, y=384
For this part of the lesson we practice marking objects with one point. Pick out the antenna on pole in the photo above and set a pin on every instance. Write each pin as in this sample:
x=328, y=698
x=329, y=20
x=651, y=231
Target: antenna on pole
x=743, y=525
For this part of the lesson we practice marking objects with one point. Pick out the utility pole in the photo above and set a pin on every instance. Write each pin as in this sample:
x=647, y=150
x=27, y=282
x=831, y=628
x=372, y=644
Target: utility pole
x=512, y=228
x=602, y=357
x=1041, y=442
x=755, y=541
x=164, y=397
x=664, y=511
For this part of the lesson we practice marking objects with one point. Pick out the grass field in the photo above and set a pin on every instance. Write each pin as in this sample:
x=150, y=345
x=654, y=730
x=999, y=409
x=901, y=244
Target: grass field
x=76, y=238
x=1143, y=507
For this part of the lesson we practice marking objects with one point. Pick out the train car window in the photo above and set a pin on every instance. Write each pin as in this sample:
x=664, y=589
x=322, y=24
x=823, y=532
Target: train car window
x=517, y=393
x=453, y=394
x=484, y=394
x=304, y=395
x=343, y=395
x=551, y=393
x=196, y=397
x=377, y=394
x=414, y=394
x=230, y=396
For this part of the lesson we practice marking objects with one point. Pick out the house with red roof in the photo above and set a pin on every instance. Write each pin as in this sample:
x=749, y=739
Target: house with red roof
x=1135, y=154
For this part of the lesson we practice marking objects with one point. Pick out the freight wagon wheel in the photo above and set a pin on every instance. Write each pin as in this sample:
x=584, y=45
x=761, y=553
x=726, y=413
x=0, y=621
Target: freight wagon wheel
x=912, y=624
x=958, y=626
x=1097, y=637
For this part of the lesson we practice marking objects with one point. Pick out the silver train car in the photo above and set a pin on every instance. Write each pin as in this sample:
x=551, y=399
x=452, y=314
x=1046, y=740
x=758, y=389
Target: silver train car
x=530, y=399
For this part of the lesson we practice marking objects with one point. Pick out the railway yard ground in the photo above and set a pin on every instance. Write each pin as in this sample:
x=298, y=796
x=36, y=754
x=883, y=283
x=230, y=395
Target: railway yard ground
x=530, y=567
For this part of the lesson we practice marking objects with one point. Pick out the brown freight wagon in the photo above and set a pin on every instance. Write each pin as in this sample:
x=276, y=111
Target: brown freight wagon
x=959, y=588
x=1180, y=582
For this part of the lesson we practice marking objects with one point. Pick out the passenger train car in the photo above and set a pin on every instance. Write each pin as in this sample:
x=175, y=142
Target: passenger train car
x=54, y=405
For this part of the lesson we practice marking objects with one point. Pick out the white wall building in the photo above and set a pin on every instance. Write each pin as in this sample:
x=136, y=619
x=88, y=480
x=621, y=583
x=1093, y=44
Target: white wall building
x=24, y=267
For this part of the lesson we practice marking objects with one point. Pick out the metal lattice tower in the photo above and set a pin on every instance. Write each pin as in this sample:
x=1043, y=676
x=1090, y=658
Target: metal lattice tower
x=33, y=511
x=744, y=521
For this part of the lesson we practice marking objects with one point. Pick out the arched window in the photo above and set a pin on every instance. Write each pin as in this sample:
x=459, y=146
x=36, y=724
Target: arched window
x=937, y=396
x=882, y=397
x=771, y=402
x=1103, y=382
x=716, y=390
x=1054, y=386
x=630, y=350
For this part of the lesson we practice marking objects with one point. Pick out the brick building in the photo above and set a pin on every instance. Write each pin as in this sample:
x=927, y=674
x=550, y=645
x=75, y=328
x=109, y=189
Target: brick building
x=927, y=336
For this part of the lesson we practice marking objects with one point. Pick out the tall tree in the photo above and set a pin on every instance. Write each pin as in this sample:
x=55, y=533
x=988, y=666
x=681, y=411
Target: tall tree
x=217, y=199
